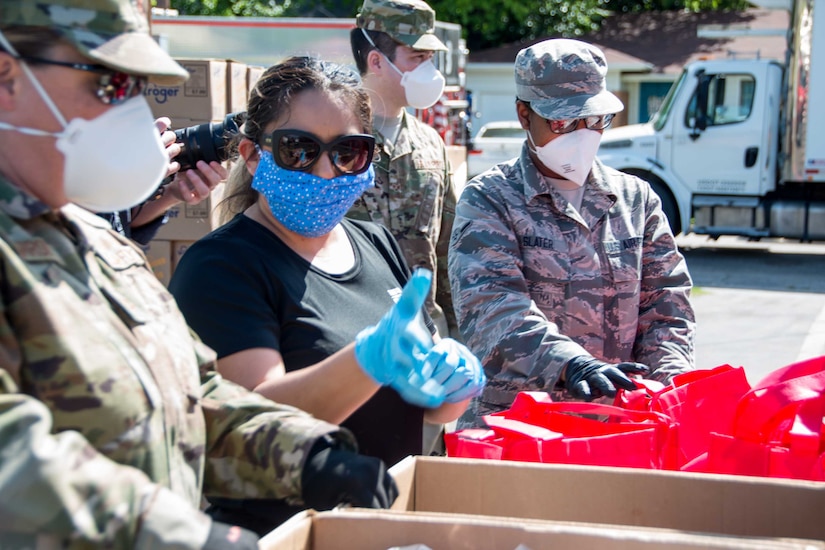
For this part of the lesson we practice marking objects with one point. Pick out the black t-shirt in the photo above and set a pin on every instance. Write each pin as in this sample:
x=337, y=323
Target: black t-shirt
x=241, y=287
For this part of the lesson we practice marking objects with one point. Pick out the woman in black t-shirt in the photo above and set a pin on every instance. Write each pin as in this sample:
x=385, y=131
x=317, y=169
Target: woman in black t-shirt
x=286, y=290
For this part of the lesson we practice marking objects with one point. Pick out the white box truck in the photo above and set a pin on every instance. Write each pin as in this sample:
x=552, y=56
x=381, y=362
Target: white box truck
x=738, y=145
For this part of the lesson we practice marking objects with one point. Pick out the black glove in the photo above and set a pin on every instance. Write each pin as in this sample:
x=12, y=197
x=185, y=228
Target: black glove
x=223, y=536
x=334, y=476
x=588, y=378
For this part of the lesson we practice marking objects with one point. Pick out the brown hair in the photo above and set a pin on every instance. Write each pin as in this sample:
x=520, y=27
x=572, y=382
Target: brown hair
x=361, y=47
x=270, y=100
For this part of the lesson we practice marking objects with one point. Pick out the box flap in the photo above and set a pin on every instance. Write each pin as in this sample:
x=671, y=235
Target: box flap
x=294, y=534
x=404, y=474
x=735, y=505
x=379, y=530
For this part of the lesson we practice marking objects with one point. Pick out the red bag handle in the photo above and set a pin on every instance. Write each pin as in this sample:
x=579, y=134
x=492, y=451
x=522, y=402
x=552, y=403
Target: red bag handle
x=691, y=376
x=512, y=426
x=640, y=398
x=601, y=409
x=540, y=402
x=782, y=388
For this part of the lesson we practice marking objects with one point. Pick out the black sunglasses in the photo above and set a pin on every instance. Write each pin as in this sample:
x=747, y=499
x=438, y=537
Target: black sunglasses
x=112, y=88
x=298, y=150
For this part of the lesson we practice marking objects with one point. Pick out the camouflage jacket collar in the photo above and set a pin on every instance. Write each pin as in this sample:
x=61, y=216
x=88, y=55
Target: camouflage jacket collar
x=17, y=203
x=402, y=145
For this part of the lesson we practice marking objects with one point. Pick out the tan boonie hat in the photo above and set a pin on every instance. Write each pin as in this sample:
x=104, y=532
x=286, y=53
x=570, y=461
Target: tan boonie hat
x=411, y=22
x=563, y=79
x=114, y=33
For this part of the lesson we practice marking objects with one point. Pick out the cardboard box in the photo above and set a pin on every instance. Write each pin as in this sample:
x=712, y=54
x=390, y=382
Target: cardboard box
x=190, y=222
x=160, y=259
x=381, y=530
x=457, y=157
x=236, y=86
x=179, y=248
x=253, y=73
x=729, y=505
x=202, y=98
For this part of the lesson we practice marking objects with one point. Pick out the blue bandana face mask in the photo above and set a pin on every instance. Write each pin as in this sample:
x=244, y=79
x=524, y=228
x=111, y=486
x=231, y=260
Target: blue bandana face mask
x=304, y=203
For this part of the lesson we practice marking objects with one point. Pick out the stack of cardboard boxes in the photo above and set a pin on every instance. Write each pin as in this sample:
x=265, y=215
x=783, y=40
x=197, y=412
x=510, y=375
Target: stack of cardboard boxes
x=216, y=87
x=455, y=503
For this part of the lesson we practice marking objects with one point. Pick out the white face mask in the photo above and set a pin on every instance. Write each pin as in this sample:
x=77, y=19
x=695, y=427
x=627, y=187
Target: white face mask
x=570, y=155
x=423, y=85
x=115, y=161
x=112, y=162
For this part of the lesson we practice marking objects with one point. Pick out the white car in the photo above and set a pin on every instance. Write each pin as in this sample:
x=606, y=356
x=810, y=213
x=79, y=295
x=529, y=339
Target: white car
x=494, y=142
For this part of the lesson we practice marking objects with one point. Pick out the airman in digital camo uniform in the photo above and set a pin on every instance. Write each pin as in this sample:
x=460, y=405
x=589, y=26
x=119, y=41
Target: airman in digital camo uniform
x=565, y=274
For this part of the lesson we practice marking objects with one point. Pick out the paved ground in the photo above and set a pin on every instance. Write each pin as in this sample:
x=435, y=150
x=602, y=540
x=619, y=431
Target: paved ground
x=760, y=305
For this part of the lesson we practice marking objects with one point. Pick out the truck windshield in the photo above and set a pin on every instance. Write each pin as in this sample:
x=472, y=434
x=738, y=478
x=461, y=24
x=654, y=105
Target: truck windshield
x=659, y=119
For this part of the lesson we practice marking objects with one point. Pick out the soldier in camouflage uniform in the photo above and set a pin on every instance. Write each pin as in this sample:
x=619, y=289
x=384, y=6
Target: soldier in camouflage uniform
x=113, y=420
x=414, y=196
x=566, y=276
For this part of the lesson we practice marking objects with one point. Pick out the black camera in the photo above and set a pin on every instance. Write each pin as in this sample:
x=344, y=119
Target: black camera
x=208, y=141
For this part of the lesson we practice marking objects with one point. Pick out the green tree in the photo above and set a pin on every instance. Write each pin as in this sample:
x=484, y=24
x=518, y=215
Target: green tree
x=635, y=6
x=491, y=23
x=495, y=22
x=269, y=8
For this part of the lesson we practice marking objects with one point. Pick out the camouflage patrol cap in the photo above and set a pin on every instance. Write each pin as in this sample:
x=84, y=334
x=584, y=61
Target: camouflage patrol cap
x=563, y=78
x=114, y=33
x=411, y=22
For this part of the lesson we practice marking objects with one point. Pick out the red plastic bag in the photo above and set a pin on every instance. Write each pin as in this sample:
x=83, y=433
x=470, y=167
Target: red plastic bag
x=701, y=403
x=474, y=443
x=698, y=402
x=641, y=398
x=777, y=428
x=536, y=429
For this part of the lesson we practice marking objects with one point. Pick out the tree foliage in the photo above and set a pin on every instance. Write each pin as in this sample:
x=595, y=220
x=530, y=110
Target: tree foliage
x=635, y=6
x=269, y=8
x=495, y=22
x=486, y=23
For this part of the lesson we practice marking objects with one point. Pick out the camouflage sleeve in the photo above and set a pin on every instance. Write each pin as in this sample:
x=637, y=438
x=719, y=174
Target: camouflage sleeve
x=519, y=347
x=57, y=491
x=667, y=324
x=256, y=448
x=444, y=296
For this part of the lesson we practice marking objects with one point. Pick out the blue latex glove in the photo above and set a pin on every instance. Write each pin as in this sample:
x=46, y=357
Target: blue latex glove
x=457, y=369
x=393, y=352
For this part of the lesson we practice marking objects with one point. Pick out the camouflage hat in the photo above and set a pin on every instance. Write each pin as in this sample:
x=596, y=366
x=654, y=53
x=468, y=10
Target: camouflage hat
x=115, y=33
x=563, y=78
x=411, y=22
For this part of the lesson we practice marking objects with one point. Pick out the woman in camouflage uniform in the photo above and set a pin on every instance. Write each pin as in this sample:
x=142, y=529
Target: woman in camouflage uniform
x=114, y=423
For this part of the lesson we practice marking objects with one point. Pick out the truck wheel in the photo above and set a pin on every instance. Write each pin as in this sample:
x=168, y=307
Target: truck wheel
x=668, y=206
x=668, y=202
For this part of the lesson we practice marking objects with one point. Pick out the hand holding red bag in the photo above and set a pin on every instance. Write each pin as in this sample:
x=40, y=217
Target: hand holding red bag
x=587, y=378
x=705, y=420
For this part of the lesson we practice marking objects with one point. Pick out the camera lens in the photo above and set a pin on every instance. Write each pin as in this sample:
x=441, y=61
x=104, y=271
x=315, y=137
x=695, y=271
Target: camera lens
x=209, y=141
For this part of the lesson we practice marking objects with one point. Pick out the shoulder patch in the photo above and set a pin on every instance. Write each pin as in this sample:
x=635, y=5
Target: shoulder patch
x=36, y=250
